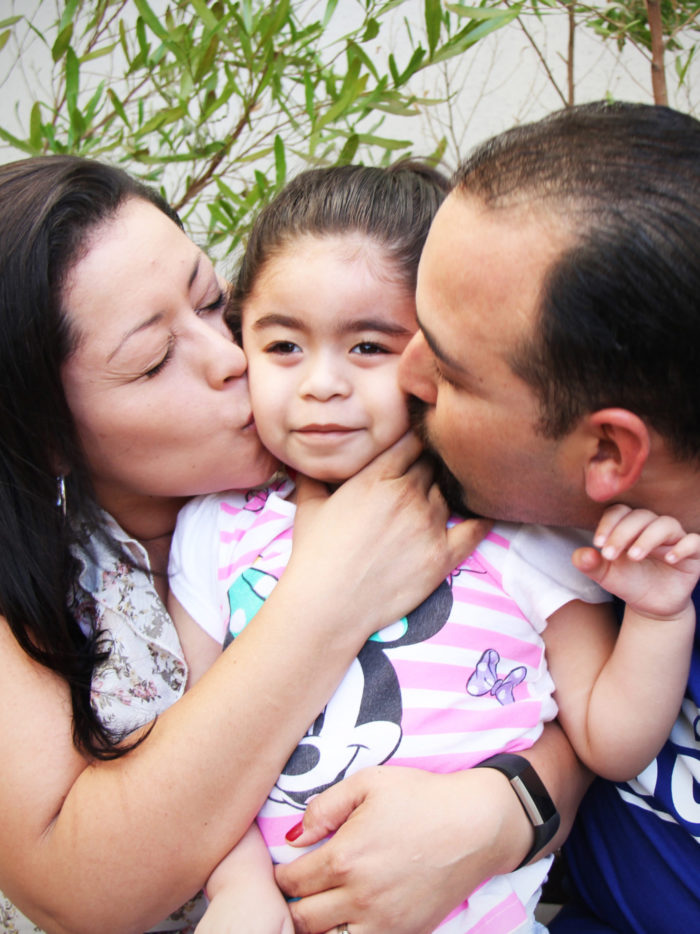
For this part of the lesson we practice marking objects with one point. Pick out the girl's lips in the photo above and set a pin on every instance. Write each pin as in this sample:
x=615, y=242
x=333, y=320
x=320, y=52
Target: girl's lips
x=326, y=429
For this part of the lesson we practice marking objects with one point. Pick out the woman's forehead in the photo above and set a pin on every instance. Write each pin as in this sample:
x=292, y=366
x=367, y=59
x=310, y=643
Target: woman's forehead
x=131, y=264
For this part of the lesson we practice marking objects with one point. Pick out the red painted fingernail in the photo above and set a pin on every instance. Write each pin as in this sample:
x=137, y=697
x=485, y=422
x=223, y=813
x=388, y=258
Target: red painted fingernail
x=296, y=831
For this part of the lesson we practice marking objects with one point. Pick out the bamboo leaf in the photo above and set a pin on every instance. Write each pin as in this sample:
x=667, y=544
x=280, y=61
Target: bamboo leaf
x=205, y=14
x=35, y=136
x=68, y=15
x=17, y=143
x=328, y=13
x=161, y=119
x=470, y=35
x=4, y=37
x=118, y=107
x=62, y=42
x=349, y=150
x=150, y=19
x=247, y=16
x=280, y=162
x=433, y=22
x=393, y=69
x=72, y=72
x=482, y=13
x=99, y=53
x=309, y=95
x=371, y=30
x=276, y=22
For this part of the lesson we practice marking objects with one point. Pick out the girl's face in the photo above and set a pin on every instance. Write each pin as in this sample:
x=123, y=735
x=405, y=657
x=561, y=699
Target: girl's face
x=156, y=385
x=323, y=332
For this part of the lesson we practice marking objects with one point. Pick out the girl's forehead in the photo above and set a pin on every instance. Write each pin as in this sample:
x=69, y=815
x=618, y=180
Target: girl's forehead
x=352, y=248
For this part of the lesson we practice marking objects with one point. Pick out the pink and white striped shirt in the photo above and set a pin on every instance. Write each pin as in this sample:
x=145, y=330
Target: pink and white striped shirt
x=461, y=677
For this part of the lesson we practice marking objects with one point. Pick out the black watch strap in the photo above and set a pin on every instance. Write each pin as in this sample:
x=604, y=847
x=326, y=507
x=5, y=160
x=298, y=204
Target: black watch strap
x=532, y=794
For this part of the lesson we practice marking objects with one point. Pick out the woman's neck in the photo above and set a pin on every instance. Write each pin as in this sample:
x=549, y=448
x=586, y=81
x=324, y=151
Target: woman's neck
x=149, y=520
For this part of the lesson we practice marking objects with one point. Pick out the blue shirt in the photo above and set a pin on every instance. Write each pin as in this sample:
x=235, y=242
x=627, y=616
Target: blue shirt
x=633, y=854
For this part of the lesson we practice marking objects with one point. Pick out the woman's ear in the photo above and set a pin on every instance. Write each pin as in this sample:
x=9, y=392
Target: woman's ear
x=622, y=446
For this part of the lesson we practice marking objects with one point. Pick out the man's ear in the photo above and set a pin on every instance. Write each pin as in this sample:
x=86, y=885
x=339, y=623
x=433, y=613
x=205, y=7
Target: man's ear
x=620, y=449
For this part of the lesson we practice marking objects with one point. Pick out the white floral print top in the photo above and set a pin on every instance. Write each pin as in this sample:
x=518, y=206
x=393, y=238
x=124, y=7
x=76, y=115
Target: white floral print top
x=144, y=674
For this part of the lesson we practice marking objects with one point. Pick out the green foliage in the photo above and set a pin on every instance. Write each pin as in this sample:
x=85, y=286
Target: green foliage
x=628, y=21
x=212, y=101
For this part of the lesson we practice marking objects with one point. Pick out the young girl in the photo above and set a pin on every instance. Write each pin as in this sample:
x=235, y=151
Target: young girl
x=324, y=305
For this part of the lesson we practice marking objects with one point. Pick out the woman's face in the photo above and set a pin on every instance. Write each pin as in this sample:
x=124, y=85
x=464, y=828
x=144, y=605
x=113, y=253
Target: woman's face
x=156, y=385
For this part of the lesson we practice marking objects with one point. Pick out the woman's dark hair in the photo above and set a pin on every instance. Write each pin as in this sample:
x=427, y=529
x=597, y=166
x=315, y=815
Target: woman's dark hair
x=393, y=206
x=49, y=206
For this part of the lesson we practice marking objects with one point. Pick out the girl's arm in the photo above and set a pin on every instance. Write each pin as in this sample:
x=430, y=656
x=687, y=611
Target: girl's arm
x=243, y=893
x=618, y=697
x=116, y=846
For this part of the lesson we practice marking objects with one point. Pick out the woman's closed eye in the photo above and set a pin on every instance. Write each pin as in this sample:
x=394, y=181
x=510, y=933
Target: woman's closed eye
x=154, y=370
x=216, y=305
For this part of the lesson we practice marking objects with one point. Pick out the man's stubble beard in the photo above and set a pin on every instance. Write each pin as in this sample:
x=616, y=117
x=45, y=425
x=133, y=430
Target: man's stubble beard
x=448, y=484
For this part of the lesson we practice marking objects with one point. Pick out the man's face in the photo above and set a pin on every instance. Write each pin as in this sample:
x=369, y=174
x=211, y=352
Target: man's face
x=479, y=285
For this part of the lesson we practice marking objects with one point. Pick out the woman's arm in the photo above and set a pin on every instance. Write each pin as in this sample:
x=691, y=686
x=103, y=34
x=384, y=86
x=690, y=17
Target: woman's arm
x=418, y=843
x=116, y=846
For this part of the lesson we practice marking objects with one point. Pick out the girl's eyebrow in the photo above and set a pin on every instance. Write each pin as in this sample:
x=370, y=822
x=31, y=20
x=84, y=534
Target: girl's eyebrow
x=377, y=324
x=274, y=319
x=158, y=316
x=380, y=325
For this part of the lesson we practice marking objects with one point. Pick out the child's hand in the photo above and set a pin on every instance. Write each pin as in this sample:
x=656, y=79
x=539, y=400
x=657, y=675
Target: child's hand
x=648, y=561
x=243, y=895
x=250, y=910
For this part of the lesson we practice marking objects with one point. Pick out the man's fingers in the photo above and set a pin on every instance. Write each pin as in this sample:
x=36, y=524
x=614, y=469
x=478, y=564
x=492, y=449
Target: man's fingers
x=308, y=490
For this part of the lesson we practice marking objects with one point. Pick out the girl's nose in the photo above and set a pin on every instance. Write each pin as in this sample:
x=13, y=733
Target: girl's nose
x=324, y=378
x=417, y=370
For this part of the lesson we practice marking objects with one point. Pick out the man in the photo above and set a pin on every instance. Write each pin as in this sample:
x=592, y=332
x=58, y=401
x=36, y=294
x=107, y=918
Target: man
x=557, y=365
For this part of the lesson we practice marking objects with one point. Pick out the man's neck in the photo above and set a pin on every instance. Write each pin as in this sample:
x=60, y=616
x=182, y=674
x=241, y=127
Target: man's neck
x=670, y=488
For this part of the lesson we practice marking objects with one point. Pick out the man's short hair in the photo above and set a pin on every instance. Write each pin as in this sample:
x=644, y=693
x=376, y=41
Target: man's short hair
x=619, y=322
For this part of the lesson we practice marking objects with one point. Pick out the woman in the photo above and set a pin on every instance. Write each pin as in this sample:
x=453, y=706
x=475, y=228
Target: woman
x=121, y=395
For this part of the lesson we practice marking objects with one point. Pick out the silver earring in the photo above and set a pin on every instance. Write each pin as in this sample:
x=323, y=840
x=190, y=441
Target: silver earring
x=61, y=494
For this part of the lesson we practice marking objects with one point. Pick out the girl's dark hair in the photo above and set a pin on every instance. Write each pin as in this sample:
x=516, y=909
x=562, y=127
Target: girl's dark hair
x=393, y=206
x=49, y=206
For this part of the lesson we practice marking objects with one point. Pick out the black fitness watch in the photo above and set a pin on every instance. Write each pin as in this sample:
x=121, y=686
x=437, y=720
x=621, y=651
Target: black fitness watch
x=534, y=797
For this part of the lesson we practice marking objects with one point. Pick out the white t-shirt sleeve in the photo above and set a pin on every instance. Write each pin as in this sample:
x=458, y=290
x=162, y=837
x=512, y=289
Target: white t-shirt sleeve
x=539, y=574
x=193, y=563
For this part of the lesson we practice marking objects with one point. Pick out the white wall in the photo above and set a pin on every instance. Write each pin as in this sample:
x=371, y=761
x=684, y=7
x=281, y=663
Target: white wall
x=501, y=81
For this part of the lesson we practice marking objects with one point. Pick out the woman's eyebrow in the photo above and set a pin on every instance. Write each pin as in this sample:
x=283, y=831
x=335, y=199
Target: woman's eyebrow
x=195, y=270
x=149, y=322
x=155, y=318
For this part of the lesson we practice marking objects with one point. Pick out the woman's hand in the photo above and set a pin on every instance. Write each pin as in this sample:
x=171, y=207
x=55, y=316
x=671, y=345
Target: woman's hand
x=381, y=539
